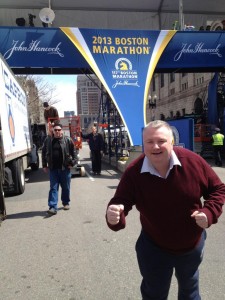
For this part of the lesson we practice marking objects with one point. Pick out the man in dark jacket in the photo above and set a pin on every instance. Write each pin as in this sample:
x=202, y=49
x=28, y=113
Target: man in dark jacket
x=96, y=145
x=58, y=156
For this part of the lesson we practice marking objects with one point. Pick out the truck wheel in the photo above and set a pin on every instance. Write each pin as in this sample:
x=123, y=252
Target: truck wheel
x=35, y=166
x=2, y=204
x=18, y=176
x=82, y=172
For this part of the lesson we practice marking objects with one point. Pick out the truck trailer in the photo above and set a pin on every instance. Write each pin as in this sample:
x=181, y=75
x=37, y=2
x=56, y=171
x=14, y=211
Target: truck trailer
x=17, y=151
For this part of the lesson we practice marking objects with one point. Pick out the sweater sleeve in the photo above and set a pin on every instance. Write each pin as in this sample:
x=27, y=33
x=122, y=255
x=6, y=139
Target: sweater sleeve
x=72, y=149
x=214, y=196
x=85, y=136
x=201, y=175
x=101, y=142
x=124, y=195
x=44, y=152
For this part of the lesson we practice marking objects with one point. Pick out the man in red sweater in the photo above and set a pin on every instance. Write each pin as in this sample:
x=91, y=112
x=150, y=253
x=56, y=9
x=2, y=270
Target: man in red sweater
x=166, y=185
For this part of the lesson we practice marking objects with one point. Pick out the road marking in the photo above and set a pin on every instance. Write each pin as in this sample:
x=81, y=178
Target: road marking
x=89, y=176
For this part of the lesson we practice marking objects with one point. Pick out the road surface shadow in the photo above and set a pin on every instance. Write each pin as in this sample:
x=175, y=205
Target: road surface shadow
x=36, y=176
x=27, y=214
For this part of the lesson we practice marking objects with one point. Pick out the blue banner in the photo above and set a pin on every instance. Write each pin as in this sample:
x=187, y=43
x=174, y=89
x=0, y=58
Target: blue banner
x=194, y=50
x=183, y=132
x=212, y=101
x=39, y=48
x=124, y=60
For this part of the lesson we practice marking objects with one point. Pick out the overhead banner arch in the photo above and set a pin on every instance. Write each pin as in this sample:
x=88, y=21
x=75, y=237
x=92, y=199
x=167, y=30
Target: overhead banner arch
x=124, y=60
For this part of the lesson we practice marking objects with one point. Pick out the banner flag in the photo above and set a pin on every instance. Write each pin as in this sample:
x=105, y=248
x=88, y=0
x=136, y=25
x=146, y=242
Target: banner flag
x=212, y=100
x=124, y=61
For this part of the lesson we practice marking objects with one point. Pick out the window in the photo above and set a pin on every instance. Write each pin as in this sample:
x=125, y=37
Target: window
x=162, y=80
x=172, y=77
x=178, y=114
x=198, y=106
x=184, y=86
x=200, y=80
x=153, y=84
x=162, y=117
x=172, y=91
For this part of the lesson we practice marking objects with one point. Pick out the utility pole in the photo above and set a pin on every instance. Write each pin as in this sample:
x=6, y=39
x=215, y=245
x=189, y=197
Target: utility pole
x=181, y=15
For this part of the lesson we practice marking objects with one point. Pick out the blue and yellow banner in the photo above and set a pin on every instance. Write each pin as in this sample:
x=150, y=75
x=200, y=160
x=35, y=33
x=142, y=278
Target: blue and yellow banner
x=124, y=60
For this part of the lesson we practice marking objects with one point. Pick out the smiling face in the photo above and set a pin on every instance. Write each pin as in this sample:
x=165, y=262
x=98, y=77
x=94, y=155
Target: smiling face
x=158, y=145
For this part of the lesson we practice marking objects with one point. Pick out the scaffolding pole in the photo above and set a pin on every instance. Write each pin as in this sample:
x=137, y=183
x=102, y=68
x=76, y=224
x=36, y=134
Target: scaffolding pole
x=181, y=15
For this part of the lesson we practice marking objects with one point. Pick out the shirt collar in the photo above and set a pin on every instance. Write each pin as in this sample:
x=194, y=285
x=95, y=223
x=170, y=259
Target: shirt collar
x=148, y=167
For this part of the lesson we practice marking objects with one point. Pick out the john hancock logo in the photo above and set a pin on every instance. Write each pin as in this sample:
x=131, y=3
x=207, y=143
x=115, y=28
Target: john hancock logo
x=124, y=74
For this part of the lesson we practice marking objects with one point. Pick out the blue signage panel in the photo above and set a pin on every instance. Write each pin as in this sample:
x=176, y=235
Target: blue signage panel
x=183, y=132
x=124, y=60
x=39, y=48
x=196, y=49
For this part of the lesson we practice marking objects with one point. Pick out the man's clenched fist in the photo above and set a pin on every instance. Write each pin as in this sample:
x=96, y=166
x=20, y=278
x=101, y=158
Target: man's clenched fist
x=113, y=213
x=200, y=219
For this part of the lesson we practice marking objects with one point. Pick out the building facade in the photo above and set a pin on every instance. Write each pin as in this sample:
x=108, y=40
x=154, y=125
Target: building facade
x=88, y=99
x=176, y=95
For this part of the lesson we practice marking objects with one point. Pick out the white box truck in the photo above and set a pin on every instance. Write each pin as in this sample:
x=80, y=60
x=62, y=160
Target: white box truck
x=17, y=151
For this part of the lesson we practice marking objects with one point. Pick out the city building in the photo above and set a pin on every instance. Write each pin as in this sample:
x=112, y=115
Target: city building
x=177, y=95
x=88, y=99
x=69, y=114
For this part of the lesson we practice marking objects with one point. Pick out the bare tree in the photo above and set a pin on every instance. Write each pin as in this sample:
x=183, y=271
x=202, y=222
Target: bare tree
x=37, y=91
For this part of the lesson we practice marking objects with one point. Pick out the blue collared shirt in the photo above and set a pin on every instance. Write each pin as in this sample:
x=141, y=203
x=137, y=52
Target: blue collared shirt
x=148, y=167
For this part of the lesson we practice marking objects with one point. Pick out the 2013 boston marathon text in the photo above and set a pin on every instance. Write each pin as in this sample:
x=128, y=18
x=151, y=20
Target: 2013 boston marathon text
x=120, y=45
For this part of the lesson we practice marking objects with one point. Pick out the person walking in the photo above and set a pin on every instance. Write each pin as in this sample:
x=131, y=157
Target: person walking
x=167, y=184
x=217, y=143
x=96, y=145
x=58, y=156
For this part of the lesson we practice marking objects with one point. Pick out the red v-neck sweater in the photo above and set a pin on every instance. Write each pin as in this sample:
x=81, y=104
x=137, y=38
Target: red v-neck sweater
x=166, y=205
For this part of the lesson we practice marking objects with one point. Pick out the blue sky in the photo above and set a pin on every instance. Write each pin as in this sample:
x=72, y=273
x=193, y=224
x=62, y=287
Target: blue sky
x=66, y=87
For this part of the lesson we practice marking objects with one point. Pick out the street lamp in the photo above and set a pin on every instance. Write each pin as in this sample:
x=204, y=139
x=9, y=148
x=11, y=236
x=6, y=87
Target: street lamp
x=152, y=105
x=152, y=101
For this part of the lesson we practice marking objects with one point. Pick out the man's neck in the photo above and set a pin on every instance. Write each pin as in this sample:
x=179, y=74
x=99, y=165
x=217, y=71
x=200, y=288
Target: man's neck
x=162, y=169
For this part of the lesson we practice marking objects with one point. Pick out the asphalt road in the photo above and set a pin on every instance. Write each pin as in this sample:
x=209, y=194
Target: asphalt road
x=74, y=256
